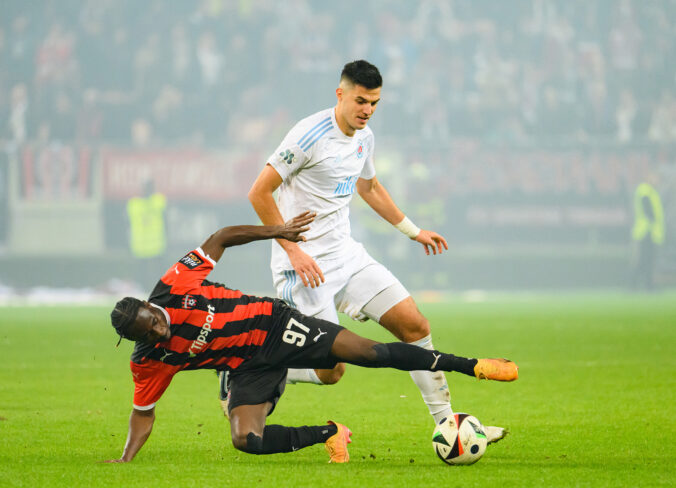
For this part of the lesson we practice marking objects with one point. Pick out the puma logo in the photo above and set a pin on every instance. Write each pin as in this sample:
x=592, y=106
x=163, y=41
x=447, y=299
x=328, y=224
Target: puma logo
x=319, y=335
x=436, y=360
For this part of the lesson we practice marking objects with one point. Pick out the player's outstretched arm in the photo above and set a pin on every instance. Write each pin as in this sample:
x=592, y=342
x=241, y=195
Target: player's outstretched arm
x=140, y=425
x=242, y=234
x=378, y=198
x=265, y=206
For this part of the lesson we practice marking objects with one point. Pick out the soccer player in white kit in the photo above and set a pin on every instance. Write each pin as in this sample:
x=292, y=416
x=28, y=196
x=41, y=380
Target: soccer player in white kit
x=319, y=165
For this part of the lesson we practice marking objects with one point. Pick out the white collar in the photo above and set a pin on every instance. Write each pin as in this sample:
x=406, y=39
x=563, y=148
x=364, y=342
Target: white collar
x=166, y=314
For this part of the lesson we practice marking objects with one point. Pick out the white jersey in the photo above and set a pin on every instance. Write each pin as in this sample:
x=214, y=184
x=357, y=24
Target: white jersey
x=319, y=166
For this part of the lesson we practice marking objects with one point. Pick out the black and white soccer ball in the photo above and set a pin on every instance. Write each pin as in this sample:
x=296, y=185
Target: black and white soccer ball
x=459, y=439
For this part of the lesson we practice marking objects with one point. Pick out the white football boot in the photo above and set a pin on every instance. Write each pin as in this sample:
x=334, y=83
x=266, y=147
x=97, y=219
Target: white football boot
x=495, y=434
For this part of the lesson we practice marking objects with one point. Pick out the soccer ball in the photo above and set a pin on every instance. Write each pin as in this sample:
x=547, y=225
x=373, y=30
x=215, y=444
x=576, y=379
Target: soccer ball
x=460, y=440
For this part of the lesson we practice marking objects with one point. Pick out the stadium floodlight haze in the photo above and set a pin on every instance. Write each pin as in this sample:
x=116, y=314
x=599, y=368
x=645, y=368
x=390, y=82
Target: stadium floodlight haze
x=530, y=143
x=518, y=130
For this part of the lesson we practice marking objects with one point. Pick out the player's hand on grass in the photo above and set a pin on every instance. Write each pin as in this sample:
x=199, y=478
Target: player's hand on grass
x=292, y=229
x=110, y=461
x=431, y=240
x=306, y=267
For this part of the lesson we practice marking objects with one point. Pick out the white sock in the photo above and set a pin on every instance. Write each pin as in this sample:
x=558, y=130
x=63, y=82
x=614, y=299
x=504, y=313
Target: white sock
x=433, y=386
x=302, y=376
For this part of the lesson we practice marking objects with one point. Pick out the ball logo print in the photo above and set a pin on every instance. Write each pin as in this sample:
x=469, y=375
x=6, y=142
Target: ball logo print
x=460, y=440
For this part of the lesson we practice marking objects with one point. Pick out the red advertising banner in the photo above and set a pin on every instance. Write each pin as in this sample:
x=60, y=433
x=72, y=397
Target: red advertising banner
x=474, y=170
x=547, y=215
x=56, y=172
x=183, y=174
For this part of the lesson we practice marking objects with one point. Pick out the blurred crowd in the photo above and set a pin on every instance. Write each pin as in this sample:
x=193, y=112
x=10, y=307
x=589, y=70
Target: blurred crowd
x=229, y=72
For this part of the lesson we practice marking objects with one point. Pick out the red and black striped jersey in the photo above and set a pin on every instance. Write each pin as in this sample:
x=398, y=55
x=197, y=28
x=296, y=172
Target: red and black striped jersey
x=212, y=327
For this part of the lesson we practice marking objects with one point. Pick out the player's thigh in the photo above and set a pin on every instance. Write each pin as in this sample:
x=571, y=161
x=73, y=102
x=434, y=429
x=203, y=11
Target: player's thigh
x=394, y=297
x=300, y=341
x=329, y=313
x=392, y=306
x=403, y=320
x=246, y=419
x=316, y=302
x=249, y=387
x=352, y=348
x=368, y=280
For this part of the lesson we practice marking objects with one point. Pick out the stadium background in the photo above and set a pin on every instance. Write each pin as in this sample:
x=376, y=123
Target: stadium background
x=519, y=130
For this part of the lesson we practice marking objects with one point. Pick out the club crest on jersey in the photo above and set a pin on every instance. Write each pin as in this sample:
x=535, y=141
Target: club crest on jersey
x=287, y=156
x=191, y=260
x=360, y=149
x=188, y=302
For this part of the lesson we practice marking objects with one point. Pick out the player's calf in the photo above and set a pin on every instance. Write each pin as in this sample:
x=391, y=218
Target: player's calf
x=412, y=358
x=278, y=438
x=331, y=376
x=407, y=357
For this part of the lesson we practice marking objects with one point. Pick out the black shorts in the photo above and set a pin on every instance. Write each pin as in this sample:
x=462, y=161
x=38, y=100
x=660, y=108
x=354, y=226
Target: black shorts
x=256, y=387
x=294, y=341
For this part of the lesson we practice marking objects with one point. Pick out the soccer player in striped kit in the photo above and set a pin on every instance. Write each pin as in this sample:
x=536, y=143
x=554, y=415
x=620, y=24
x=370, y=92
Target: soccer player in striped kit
x=191, y=323
x=319, y=165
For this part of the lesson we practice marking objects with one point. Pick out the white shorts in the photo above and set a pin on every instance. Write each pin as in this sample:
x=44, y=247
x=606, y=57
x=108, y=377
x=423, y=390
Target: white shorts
x=350, y=283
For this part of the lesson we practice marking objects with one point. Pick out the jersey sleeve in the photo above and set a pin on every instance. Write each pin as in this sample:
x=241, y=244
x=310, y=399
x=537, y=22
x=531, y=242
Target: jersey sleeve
x=368, y=172
x=151, y=379
x=189, y=272
x=289, y=157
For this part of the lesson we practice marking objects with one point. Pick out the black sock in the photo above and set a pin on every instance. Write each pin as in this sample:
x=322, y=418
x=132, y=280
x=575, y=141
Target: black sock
x=277, y=438
x=408, y=357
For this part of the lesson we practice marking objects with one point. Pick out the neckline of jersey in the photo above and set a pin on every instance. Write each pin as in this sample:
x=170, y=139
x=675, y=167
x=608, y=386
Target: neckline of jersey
x=166, y=314
x=340, y=133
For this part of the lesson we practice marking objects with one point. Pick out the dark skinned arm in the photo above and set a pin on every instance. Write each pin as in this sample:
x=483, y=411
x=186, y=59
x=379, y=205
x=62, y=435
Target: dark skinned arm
x=242, y=234
x=140, y=425
x=263, y=201
x=141, y=421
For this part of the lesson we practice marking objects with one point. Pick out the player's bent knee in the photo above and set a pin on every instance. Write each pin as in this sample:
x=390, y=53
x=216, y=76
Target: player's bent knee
x=416, y=332
x=331, y=376
x=382, y=355
x=423, y=329
x=239, y=441
x=249, y=443
x=406, y=322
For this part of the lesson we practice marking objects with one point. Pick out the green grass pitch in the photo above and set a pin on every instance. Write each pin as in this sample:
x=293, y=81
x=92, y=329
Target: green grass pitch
x=594, y=405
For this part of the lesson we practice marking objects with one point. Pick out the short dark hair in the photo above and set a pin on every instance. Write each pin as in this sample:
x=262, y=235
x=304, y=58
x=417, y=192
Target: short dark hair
x=124, y=315
x=362, y=73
